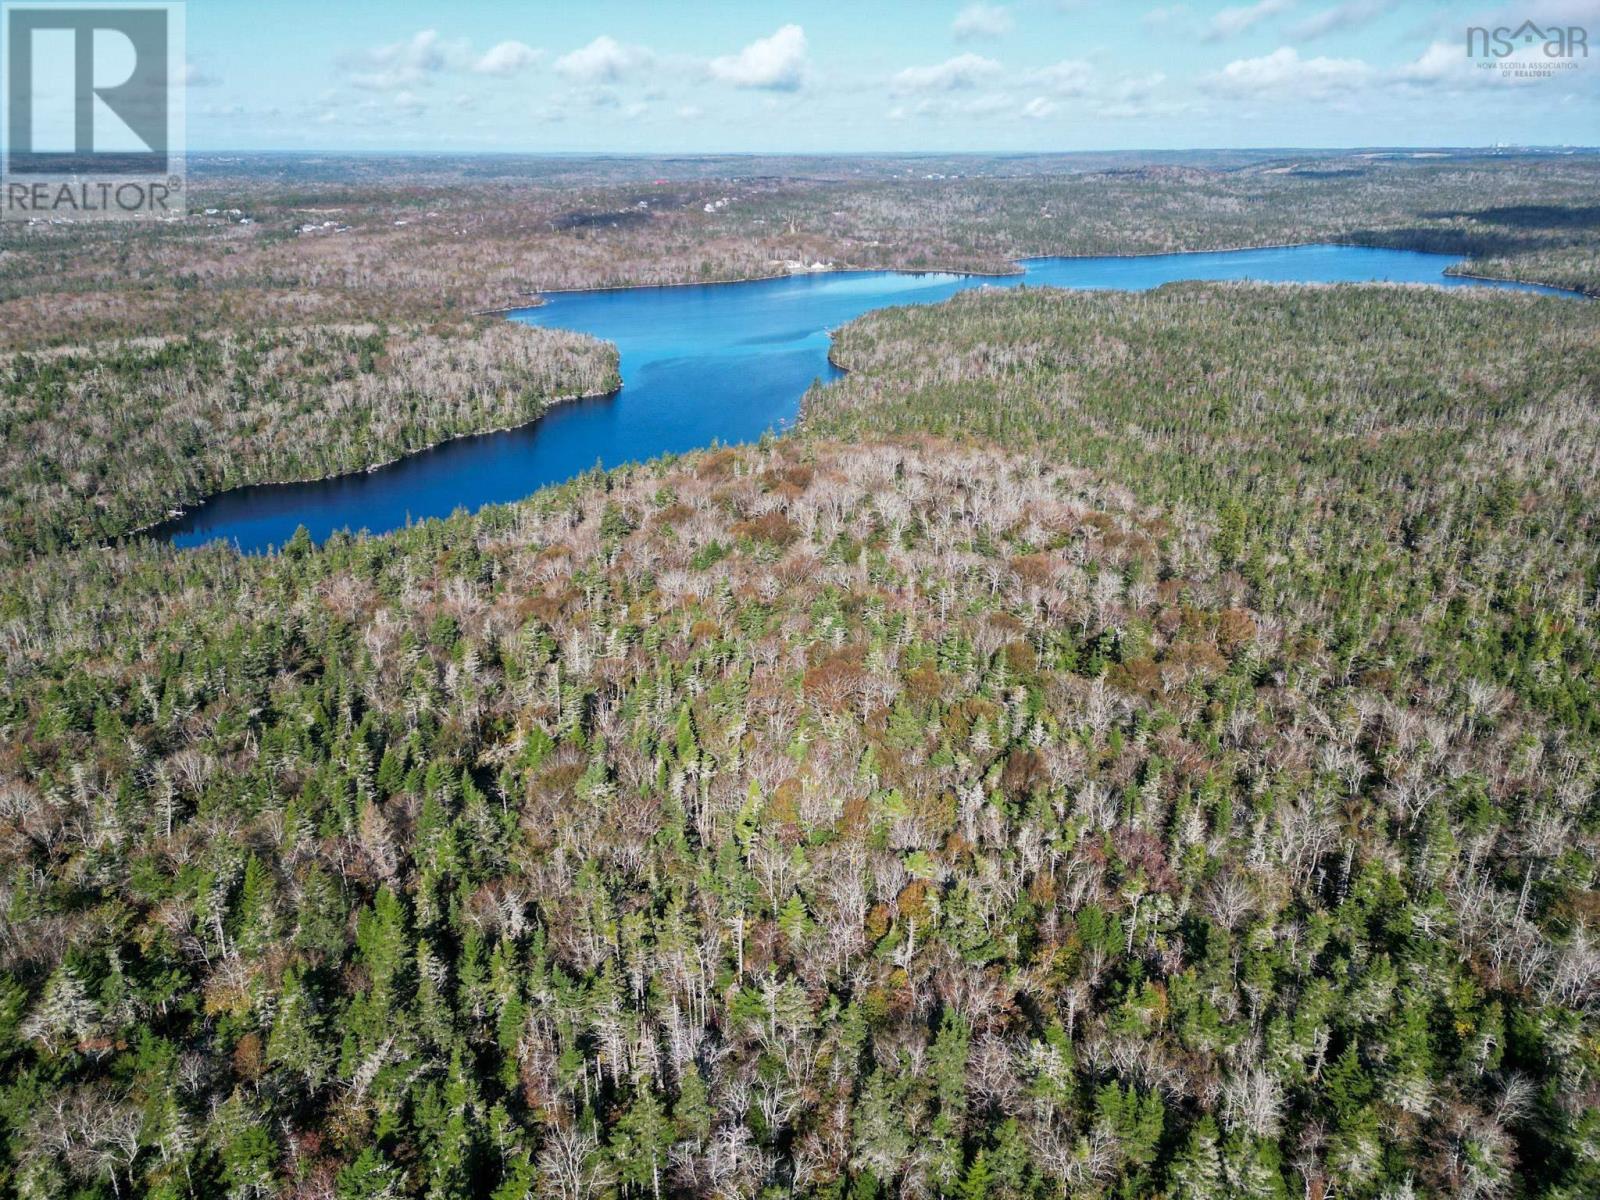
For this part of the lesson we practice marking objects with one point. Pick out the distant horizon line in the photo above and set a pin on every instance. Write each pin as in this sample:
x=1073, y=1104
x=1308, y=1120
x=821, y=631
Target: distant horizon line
x=1356, y=149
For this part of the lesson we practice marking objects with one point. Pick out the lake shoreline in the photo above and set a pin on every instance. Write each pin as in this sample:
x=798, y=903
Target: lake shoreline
x=178, y=514
x=780, y=404
x=1583, y=292
x=973, y=273
x=846, y=270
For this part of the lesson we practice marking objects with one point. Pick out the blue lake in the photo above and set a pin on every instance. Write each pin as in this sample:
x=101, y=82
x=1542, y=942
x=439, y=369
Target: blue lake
x=714, y=363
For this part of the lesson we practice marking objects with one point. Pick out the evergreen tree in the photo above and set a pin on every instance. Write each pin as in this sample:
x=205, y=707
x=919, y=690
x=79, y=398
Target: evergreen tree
x=1196, y=1172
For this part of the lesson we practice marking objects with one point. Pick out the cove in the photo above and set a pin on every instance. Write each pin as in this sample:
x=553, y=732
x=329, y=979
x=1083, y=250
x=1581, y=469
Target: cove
x=723, y=362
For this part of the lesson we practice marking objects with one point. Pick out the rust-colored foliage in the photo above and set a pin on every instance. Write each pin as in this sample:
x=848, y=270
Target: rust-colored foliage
x=773, y=528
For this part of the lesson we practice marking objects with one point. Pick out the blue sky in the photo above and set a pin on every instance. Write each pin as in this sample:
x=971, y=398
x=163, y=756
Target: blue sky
x=872, y=75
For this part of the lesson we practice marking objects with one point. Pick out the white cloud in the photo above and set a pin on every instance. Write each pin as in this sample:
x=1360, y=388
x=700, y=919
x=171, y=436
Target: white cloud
x=1039, y=108
x=1284, y=72
x=945, y=108
x=690, y=112
x=1135, y=89
x=419, y=59
x=1231, y=22
x=982, y=106
x=400, y=65
x=963, y=71
x=426, y=51
x=194, y=77
x=1445, y=65
x=1350, y=15
x=1102, y=95
x=506, y=59
x=982, y=21
x=777, y=63
x=604, y=60
x=1070, y=77
x=1547, y=12
x=1439, y=63
x=386, y=81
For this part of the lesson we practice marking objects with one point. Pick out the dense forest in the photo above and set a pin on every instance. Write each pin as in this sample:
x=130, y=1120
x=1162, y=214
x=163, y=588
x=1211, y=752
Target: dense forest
x=1123, y=746
x=97, y=440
